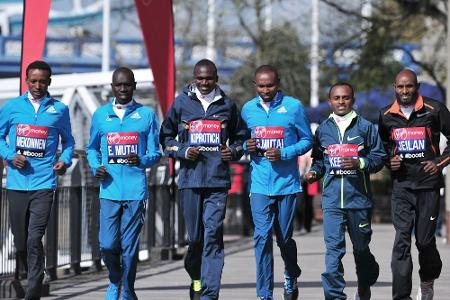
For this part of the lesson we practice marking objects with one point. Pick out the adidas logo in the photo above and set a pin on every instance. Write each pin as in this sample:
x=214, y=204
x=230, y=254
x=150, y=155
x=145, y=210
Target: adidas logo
x=282, y=110
x=108, y=119
x=136, y=115
x=51, y=110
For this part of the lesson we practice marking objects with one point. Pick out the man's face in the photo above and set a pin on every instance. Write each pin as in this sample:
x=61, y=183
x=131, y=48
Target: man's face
x=205, y=79
x=341, y=100
x=38, y=81
x=406, y=88
x=266, y=84
x=123, y=87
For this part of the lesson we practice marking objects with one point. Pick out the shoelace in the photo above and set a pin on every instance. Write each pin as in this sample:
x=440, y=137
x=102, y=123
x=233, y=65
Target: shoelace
x=290, y=284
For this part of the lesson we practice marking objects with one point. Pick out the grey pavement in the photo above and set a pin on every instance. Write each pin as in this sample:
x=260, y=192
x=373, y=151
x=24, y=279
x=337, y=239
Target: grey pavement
x=169, y=281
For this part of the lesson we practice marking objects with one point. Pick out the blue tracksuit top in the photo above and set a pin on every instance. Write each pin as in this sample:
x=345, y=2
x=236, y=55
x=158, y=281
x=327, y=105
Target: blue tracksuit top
x=347, y=188
x=36, y=136
x=113, y=139
x=208, y=171
x=285, y=126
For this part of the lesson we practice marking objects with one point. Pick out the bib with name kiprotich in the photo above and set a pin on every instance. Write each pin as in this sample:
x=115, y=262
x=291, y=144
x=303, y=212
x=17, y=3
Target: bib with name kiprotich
x=207, y=134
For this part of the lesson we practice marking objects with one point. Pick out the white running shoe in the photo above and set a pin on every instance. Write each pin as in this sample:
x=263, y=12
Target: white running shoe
x=426, y=290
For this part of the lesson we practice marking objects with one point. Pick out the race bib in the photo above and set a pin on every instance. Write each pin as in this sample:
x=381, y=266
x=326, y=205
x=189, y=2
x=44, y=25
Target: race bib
x=268, y=137
x=206, y=134
x=121, y=144
x=410, y=142
x=31, y=140
x=335, y=154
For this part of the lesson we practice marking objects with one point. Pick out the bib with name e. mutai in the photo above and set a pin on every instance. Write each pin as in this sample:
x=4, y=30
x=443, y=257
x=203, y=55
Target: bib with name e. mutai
x=120, y=145
x=31, y=140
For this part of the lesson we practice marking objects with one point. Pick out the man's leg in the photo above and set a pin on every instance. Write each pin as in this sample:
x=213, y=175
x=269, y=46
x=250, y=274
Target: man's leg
x=334, y=220
x=263, y=212
x=403, y=214
x=214, y=206
x=360, y=231
x=283, y=229
x=109, y=238
x=18, y=217
x=133, y=214
x=192, y=206
x=426, y=216
x=40, y=208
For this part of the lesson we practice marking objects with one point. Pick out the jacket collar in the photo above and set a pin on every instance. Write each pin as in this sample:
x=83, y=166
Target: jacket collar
x=276, y=99
x=44, y=100
x=128, y=110
x=395, y=107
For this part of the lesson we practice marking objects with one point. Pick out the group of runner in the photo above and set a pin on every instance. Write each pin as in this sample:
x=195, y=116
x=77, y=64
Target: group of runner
x=205, y=130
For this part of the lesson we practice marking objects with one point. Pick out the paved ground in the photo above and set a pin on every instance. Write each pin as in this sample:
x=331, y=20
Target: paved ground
x=169, y=281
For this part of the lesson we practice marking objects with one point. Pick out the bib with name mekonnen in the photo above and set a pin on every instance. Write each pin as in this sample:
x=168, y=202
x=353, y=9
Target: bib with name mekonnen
x=31, y=140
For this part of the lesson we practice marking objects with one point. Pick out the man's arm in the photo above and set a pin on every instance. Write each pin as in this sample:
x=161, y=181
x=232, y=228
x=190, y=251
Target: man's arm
x=93, y=153
x=67, y=140
x=169, y=132
x=444, y=120
x=153, y=153
x=303, y=129
x=317, y=169
x=376, y=155
x=6, y=152
x=238, y=133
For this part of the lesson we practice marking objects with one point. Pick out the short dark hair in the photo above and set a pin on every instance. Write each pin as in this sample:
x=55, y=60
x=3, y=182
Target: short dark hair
x=343, y=83
x=267, y=68
x=40, y=65
x=122, y=69
x=206, y=63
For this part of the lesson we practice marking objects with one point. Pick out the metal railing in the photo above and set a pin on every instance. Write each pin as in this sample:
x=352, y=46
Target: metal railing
x=71, y=240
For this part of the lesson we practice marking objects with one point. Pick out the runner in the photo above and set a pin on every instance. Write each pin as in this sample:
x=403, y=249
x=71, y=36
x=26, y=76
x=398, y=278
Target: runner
x=33, y=123
x=123, y=143
x=346, y=149
x=279, y=133
x=410, y=129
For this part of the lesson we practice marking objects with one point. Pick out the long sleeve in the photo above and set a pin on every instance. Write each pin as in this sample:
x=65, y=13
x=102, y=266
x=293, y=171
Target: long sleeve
x=5, y=150
x=304, y=143
x=169, y=132
x=153, y=153
x=238, y=132
x=67, y=140
x=318, y=164
x=444, y=121
x=376, y=157
x=93, y=148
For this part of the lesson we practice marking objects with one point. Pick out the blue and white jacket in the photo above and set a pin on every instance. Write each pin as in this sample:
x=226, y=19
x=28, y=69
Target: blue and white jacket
x=36, y=136
x=285, y=126
x=347, y=188
x=112, y=139
x=186, y=125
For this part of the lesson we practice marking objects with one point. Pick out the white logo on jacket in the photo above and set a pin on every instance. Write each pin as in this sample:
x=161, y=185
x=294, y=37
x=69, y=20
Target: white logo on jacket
x=51, y=110
x=136, y=115
x=282, y=110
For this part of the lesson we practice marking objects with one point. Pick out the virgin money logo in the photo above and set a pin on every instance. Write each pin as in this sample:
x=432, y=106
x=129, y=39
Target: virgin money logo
x=113, y=138
x=260, y=132
x=204, y=126
x=333, y=150
x=23, y=130
x=31, y=131
x=400, y=134
x=121, y=138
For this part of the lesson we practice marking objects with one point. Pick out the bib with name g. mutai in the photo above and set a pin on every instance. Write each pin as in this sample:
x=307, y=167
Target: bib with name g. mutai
x=268, y=137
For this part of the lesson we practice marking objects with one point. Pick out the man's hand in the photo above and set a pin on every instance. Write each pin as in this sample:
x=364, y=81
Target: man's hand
x=101, y=173
x=349, y=163
x=251, y=145
x=193, y=153
x=133, y=159
x=430, y=167
x=310, y=177
x=19, y=161
x=60, y=167
x=273, y=154
x=396, y=163
x=225, y=152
